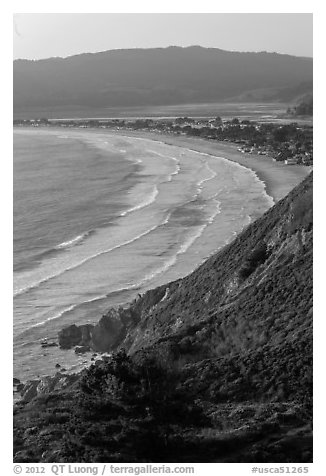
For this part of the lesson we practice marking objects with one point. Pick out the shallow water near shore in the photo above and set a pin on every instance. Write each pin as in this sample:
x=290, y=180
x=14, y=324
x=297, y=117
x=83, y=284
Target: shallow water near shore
x=100, y=218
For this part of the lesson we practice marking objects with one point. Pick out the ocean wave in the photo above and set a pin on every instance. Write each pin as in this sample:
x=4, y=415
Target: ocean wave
x=184, y=247
x=175, y=172
x=89, y=258
x=206, y=179
x=69, y=309
x=237, y=165
x=172, y=261
x=216, y=212
x=177, y=169
x=73, y=307
x=148, y=201
x=170, y=157
x=201, y=229
x=209, y=155
x=74, y=241
x=37, y=258
x=164, y=156
x=52, y=318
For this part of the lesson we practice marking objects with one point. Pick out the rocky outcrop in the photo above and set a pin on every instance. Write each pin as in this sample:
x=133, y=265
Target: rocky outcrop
x=75, y=335
x=102, y=337
x=29, y=391
x=113, y=327
x=109, y=330
x=45, y=385
x=82, y=349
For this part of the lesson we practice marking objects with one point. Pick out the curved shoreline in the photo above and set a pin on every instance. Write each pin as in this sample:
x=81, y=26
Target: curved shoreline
x=279, y=179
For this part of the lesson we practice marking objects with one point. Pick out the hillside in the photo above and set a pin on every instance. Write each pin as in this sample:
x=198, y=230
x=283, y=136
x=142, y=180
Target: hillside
x=304, y=107
x=219, y=364
x=157, y=76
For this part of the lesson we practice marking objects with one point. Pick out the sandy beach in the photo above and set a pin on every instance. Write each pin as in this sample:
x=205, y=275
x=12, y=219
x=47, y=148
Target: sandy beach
x=278, y=178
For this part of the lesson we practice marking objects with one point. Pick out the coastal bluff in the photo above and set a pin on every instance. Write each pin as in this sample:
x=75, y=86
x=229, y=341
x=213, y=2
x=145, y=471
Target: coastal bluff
x=213, y=367
x=226, y=283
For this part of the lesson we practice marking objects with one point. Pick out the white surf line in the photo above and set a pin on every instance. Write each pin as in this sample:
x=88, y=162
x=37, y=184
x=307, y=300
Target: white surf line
x=271, y=199
x=66, y=310
x=73, y=241
x=184, y=247
x=151, y=199
x=178, y=165
x=206, y=179
x=236, y=164
x=89, y=258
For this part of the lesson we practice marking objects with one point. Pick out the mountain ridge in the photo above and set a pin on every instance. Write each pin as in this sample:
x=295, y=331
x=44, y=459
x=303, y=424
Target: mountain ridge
x=198, y=47
x=157, y=76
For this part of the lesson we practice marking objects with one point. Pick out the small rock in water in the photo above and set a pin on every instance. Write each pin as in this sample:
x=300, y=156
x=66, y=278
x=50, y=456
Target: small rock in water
x=57, y=366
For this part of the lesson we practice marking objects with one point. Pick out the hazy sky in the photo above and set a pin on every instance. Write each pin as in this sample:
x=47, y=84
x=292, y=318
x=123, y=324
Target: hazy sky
x=42, y=35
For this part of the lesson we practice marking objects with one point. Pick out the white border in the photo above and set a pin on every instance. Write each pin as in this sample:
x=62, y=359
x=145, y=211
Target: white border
x=167, y=6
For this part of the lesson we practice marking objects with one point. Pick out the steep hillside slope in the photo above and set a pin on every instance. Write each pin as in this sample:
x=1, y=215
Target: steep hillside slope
x=255, y=291
x=158, y=76
x=219, y=366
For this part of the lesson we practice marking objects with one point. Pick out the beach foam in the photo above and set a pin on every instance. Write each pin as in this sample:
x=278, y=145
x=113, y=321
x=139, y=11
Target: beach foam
x=147, y=201
x=74, y=241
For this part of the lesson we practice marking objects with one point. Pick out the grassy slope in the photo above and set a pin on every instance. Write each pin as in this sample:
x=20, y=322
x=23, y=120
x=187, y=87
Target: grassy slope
x=220, y=365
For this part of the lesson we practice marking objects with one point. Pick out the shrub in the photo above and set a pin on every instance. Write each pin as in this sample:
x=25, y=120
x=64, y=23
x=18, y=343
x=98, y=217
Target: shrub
x=257, y=257
x=302, y=212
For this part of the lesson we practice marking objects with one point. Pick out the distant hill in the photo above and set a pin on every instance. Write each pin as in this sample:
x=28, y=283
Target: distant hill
x=304, y=107
x=157, y=76
x=219, y=366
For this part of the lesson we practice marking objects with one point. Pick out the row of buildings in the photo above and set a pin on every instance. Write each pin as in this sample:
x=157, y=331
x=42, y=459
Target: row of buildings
x=292, y=158
x=290, y=143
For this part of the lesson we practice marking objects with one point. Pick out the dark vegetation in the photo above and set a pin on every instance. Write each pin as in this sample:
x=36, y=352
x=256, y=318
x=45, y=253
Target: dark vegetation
x=159, y=76
x=214, y=367
x=257, y=256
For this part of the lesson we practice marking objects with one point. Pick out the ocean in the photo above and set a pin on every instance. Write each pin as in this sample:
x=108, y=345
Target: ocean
x=100, y=218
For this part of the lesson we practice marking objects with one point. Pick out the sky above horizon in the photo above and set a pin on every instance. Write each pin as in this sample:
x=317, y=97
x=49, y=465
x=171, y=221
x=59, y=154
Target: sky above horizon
x=44, y=35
